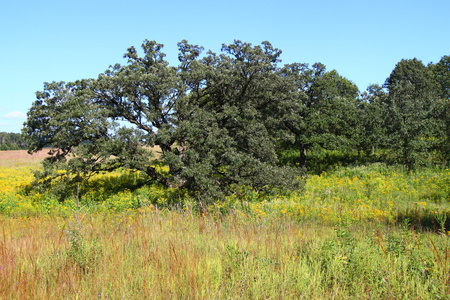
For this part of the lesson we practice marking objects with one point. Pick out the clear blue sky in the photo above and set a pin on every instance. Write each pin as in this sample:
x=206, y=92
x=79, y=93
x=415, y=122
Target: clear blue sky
x=67, y=40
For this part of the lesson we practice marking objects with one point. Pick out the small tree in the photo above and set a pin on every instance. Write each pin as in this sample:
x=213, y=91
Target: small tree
x=411, y=126
x=326, y=112
x=371, y=111
x=441, y=72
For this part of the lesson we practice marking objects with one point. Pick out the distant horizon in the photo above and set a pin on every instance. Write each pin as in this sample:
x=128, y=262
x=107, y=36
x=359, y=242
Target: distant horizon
x=49, y=41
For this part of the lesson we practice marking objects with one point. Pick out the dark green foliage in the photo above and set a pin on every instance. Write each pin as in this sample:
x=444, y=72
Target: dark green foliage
x=216, y=119
x=223, y=123
x=441, y=72
x=83, y=140
x=11, y=141
x=442, y=110
x=333, y=112
x=242, y=99
x=327, y=115
x=408, y=112
x=372, y=106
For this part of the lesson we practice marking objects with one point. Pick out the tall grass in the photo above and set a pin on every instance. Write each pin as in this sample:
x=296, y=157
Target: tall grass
x=357, y=232
x=178, y=254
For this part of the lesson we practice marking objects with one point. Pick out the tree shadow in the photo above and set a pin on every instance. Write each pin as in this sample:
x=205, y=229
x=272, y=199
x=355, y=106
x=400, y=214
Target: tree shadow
x=425, y=221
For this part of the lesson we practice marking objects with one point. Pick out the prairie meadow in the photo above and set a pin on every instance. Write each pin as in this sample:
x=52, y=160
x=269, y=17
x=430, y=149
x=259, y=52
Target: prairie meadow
x=363, y=232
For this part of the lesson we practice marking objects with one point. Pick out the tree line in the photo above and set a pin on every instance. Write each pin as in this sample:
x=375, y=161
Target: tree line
x=12, y=141
x=236, y=119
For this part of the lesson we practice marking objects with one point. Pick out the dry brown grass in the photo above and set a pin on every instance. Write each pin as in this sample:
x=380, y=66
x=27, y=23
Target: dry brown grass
x=21, y=158
x=153, y=255
x=158, y=254
x=13, y=158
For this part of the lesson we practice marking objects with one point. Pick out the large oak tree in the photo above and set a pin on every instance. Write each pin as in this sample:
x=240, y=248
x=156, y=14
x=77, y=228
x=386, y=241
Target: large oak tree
x=215, y=119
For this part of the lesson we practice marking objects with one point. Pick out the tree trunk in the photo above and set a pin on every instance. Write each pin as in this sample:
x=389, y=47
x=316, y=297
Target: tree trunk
x=303, y=158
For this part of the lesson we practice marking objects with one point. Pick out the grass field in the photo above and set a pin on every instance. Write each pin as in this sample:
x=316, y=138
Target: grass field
x=20, y=158
x=372, y=232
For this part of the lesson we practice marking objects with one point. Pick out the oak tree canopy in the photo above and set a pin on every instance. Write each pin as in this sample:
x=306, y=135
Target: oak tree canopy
x=216, y=120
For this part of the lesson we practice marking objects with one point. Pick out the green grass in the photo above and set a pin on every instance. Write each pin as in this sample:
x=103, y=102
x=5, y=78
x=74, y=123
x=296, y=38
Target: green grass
x=371, y=232
x=177, y=254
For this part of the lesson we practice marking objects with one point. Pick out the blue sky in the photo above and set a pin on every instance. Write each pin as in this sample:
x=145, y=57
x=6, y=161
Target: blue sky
x=44, y=41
